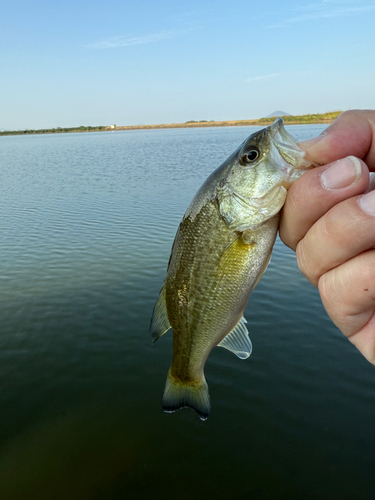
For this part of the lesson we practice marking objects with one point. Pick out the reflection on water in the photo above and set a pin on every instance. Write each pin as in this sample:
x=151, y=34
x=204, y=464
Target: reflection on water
x=87, y=223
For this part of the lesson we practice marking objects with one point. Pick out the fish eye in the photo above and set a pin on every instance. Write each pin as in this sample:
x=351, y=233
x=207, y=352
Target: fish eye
x=251, y=155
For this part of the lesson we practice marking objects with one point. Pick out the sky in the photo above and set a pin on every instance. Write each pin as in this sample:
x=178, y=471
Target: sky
x=70, y=63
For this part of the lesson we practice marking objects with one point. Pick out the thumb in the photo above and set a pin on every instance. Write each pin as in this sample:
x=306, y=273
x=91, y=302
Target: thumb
x=351, y=134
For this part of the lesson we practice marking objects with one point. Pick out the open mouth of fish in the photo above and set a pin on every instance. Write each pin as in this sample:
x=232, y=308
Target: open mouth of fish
x=289, y=158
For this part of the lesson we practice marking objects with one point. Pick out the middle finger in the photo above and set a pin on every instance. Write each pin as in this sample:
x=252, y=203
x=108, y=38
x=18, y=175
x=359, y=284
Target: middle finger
x=345, y=231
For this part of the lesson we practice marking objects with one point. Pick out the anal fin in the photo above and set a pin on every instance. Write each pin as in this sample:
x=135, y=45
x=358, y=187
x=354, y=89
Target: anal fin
x=159, y=321
x=238, y=341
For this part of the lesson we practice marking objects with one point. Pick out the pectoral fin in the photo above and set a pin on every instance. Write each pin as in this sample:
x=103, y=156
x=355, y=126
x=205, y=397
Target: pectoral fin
x=238, y=340
x=159, y=321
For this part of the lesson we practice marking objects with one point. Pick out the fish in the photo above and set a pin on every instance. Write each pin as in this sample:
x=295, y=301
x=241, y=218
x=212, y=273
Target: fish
x=222, y=247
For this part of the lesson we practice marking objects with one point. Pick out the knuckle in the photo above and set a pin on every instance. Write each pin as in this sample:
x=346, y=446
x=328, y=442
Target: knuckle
x=330, y=224
x=328, y=289
x=304, y=263
x=348, y=294
x=348, y=227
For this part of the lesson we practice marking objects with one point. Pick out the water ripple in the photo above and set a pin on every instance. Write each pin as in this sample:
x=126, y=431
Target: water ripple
x=87, y=225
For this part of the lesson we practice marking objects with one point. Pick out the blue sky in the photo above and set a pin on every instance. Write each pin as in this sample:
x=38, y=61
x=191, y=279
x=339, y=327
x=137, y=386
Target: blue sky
x=137, y=62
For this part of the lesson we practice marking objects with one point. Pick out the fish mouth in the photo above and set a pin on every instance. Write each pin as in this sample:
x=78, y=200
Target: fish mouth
x=277, y=126
x=281, y=137
x=287, y=147
x=293, y=162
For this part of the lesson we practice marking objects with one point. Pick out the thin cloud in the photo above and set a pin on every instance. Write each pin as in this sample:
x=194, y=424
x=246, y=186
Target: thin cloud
x=262, y=77
x=127, y=41
x=324, y=10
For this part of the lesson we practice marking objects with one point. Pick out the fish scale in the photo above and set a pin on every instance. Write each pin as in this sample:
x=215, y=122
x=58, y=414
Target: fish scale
x=221, y=250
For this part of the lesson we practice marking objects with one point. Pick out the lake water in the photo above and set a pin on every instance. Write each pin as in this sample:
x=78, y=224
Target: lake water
x=87, y=224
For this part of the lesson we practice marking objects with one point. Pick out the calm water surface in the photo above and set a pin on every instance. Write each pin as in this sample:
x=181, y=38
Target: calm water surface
x=87, y=224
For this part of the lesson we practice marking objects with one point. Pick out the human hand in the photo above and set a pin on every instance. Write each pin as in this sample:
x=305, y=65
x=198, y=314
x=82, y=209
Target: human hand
x=330, y=223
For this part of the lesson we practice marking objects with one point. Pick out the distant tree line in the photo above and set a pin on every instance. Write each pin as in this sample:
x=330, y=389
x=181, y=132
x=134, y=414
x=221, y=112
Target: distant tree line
x=292, y=119
x=313, y=118
x=58, y=130
x=300, y=119
x=199, y=121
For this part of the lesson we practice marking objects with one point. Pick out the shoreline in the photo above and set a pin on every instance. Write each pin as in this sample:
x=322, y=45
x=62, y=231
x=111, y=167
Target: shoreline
x=234, y=123
x=311, y=119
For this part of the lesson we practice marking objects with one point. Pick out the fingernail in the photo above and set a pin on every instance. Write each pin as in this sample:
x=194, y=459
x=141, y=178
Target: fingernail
x=371, y=185
x=342, y=174
x=367, y=203
x=313, y=141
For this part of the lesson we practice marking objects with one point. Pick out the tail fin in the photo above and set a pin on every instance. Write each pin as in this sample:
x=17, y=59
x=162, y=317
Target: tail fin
x=178, y=395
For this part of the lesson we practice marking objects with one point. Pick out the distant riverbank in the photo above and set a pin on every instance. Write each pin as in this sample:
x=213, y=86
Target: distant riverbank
x=289, y=120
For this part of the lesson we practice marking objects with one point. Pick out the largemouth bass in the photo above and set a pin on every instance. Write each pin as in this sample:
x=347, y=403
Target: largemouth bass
x=221, y=249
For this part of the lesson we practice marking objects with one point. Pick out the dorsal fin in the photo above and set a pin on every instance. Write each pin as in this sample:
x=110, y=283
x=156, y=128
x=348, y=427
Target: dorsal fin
x=238, y=341
x=159, y=321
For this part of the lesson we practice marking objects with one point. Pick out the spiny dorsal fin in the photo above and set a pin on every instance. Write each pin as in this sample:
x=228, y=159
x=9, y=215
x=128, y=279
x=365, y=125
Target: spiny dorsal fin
x=159, y=321
x=238, y=340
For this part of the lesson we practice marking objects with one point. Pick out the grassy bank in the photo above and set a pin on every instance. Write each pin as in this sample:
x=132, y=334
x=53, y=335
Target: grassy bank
x=289, y=120
x=58, y=130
